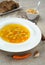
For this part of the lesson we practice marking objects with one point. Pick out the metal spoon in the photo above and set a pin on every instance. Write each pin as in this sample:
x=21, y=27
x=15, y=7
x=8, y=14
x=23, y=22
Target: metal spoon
x=38, y=5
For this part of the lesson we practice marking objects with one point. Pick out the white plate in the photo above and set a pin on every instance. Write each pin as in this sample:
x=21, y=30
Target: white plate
x=11, y=11
x=32, y=42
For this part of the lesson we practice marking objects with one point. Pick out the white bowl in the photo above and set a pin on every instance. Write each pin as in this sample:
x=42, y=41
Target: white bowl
x=32, y=16
x=32, y=42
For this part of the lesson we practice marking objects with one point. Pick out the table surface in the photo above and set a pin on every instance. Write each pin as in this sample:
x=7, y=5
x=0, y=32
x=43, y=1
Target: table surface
x=4, y=58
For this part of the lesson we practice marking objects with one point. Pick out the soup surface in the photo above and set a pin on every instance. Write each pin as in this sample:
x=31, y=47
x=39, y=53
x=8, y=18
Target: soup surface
x=15, y=33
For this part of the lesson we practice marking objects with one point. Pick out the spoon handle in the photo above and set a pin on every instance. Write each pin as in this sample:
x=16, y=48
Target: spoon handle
x=38, y=5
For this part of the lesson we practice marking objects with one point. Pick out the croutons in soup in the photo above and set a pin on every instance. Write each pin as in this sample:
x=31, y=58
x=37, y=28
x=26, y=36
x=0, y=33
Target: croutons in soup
x=15, y=33
x=32, y=11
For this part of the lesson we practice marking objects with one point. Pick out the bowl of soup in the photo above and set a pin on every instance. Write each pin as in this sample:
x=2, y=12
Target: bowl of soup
x=18, y=34
x=32, y=13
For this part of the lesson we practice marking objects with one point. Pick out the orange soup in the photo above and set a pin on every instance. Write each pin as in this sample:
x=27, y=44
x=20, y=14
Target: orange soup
x=15, y=33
